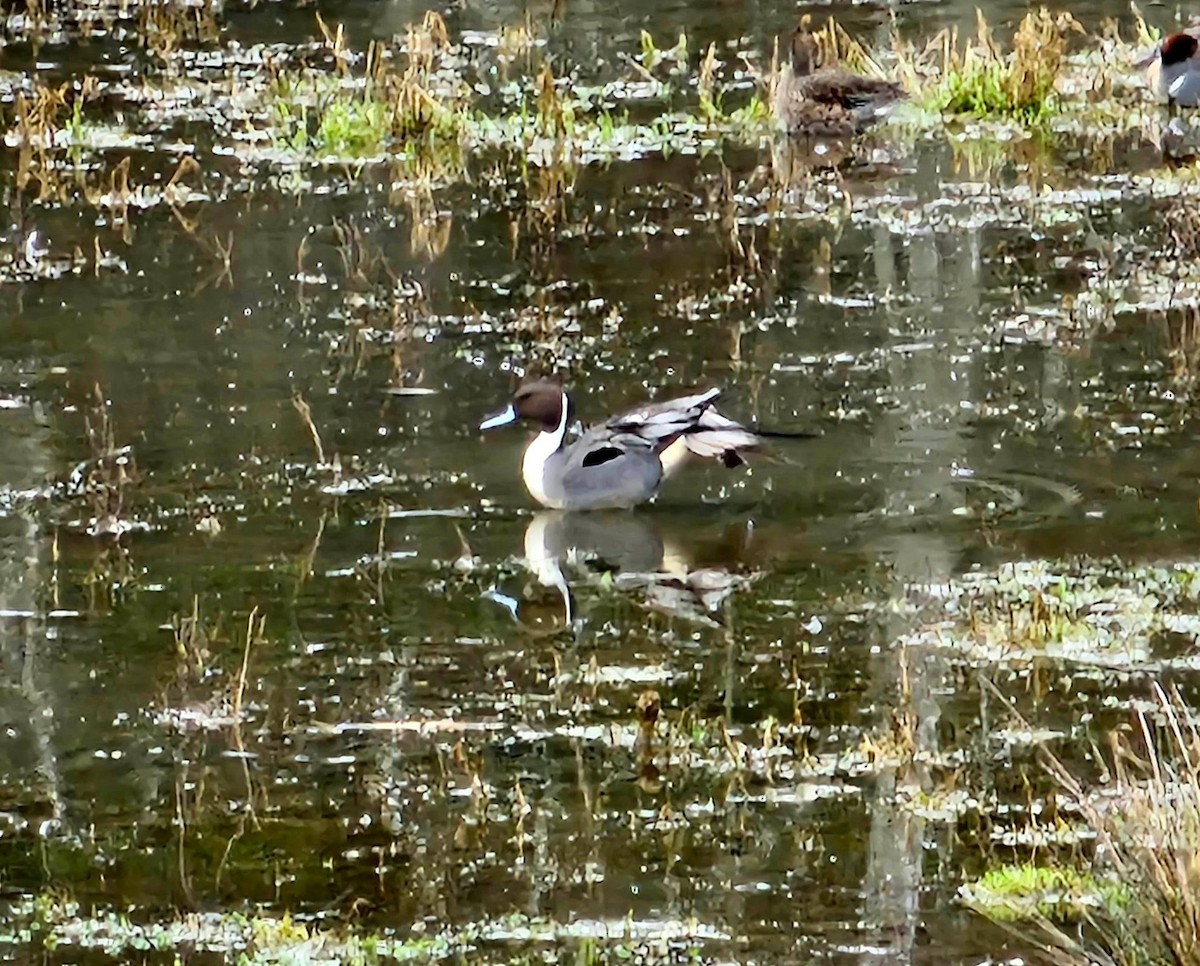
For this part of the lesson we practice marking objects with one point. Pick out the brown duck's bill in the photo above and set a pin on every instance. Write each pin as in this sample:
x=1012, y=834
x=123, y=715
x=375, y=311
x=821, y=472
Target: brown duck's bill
x=502, y=417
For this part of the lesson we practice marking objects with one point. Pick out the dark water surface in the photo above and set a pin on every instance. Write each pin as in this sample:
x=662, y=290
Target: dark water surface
x=438, y=725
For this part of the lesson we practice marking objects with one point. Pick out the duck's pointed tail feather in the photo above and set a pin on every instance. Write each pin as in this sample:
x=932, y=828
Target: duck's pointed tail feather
x=786, y=433
x=720, y=438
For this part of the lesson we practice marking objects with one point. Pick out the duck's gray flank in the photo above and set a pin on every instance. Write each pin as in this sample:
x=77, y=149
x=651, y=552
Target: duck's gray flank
x=622, y=461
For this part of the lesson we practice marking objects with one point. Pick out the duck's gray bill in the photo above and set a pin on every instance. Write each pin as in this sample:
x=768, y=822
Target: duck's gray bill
x=1147, y=57
x=506, y=417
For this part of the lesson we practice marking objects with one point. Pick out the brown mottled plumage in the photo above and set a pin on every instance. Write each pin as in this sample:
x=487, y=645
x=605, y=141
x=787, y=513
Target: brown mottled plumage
x=812, y=99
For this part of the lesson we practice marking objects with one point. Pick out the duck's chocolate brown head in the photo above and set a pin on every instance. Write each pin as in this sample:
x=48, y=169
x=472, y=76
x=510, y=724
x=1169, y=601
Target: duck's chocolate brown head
x=1177, y=48
x=543, y=403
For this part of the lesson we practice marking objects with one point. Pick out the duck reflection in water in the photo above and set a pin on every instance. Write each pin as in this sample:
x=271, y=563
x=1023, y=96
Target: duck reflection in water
x=630, y=553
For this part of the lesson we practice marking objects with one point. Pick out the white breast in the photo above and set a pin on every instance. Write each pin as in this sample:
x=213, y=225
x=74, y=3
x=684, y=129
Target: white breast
x=533, y=466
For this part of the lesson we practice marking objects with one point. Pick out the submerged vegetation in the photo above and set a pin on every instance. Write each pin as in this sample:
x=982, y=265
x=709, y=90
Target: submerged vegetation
x=251, y=940
x=1091, y=612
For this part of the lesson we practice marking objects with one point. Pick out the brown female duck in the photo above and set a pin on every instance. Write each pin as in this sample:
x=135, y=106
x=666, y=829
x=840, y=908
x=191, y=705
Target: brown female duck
x=814, y=99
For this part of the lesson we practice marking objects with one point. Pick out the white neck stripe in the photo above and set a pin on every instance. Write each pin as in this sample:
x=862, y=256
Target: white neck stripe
x=561, y=431
x=545, y=444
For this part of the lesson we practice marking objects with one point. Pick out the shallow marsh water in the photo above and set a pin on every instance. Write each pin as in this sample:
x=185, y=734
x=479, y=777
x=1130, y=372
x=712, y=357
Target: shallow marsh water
x=438, y=732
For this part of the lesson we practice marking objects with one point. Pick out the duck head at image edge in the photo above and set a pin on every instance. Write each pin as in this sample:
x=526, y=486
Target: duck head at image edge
x=1173, y=68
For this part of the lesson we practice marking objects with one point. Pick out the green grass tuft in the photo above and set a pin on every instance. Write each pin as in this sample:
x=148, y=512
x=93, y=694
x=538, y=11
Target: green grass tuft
x=984, y=91
x=1016, y=893
x=981, y=82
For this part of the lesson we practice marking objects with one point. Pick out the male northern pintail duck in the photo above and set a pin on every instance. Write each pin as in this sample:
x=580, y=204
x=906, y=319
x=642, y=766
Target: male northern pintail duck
x=623, y=461
x=817, y=100
x=1174, y=66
